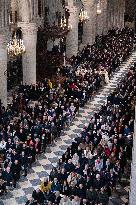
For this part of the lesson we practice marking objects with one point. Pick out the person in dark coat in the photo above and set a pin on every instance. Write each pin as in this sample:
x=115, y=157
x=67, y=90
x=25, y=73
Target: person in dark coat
x=57, y=198
x=65, y=188
x=103, y=197
x=31, y=201
x=91, y=195
x=81, y=192
x=7, y=176
x=24, y=163
x=97, y=182
x=55, y=185
x=38, y=196
x=69, y=167
x=16, y=168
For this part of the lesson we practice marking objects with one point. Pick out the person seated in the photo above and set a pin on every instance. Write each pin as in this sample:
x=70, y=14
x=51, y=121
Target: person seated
x=24, y=163
x=3, y=145
x=103, y=197
x=69, y=167
x=65, y=200
x=81, y=193
x=65, y=188
x=38, y=196
x=16, y=169
x=85, y=202
x=76, y=200
x=31, y=201
x=55, y=185
x=57, y=198
x=7, y=176
x=2, y=187
x=91, y=195
x=45, y=186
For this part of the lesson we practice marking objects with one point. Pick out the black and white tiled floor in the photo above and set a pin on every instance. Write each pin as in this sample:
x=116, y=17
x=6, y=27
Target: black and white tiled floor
x=46, y=161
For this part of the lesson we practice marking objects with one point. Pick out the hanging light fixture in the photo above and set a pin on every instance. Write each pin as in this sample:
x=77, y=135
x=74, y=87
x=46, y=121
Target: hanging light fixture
x=64, y=25
x=98, y=9
x=83, y=16
x=69, y=26
x=15, y=47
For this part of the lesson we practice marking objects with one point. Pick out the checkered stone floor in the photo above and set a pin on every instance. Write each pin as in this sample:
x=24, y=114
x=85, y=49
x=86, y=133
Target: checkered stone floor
x=46, y=161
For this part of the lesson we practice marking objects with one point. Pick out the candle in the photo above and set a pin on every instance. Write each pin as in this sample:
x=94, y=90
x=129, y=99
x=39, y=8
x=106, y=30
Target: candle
x=64, y=59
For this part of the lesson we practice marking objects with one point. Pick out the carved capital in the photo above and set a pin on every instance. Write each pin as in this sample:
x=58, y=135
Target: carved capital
x=28, y=28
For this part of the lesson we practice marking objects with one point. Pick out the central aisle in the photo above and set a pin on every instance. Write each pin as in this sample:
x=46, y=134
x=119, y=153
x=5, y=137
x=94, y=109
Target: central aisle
x=46, y=161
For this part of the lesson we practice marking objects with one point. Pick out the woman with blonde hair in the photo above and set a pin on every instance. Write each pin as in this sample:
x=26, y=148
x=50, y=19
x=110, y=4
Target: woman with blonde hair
x=50, y=84
x=45, y=185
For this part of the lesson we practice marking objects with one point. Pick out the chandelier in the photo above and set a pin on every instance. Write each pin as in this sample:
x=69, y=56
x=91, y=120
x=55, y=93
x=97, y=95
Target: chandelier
x=15, y=47
x=83, y=16
x=64, y=24
x=69, y=26
x=98, y=9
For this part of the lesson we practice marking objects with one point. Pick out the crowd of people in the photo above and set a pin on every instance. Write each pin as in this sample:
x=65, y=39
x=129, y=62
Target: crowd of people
x=91, y=168
x=109, y=50
x=14, y=73
x=25, y=130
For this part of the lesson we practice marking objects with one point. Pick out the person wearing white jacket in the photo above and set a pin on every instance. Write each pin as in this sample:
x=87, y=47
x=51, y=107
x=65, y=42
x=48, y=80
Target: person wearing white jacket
x=65, y=201
x=76, y=201
x=2, y=144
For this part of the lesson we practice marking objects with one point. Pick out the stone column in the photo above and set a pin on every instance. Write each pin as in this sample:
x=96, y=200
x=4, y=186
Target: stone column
x=103, y=18
x=35, y=8
x=89, y=27
x=105, y=14
x=111, y=14
x=115, y=13
x=72, y=37
x=3, y=69
x=117, y=8
x=99, y=22
x=108, y=15
x=121, y=13
x=52, y=12
x=54, y=6
x=24, y=11
x=13, y=9
x=29, y=32
x=4, y=14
